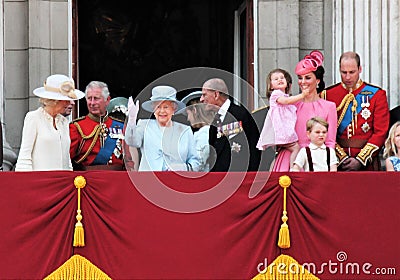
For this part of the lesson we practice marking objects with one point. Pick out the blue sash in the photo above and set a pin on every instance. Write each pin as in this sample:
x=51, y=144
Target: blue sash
x=369, y=91
x=106, y=151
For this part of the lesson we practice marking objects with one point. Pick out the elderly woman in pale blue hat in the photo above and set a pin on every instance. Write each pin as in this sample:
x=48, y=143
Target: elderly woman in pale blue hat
x=165, y=145
x=45, y=136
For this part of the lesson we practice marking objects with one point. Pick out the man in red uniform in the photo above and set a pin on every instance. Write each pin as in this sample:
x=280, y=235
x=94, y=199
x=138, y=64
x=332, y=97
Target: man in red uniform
x=363, y=117
x=96, y=139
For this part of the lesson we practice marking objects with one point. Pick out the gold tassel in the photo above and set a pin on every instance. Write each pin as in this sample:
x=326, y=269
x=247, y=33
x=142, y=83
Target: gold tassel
x=284, y=236
x=285, y=267
x=79, y=233
x=77, y=268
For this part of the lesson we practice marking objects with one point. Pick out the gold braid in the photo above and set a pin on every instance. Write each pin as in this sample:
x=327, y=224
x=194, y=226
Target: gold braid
x=82, y=134
x=95, y=133
x=345, y=105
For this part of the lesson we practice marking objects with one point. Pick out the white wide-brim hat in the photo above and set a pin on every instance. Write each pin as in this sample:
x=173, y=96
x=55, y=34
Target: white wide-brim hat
x=162, y=93
x=59, y=87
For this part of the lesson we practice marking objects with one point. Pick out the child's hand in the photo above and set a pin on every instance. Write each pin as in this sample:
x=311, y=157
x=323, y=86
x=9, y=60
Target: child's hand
x=305, y=92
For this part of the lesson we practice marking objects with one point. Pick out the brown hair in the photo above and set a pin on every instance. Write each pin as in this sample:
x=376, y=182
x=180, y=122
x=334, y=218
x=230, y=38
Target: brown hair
x=350, y=55
x=201, y=116
x=287, y=77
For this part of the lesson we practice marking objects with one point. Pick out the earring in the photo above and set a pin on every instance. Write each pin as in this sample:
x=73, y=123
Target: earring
x=317, y=85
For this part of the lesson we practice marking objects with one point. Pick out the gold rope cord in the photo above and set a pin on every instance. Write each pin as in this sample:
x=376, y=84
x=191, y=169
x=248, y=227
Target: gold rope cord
x=86, y=136
x=345, y=105
x=77, y=268
x=95, y=133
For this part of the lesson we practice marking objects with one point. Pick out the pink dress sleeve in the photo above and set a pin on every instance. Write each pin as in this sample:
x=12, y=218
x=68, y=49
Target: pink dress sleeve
x=332, y=121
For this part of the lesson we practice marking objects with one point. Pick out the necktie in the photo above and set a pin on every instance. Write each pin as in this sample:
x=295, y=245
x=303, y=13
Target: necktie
x=217, y=119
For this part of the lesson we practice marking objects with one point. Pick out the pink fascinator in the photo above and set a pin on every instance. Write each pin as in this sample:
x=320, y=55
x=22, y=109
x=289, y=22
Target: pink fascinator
x=310, y=63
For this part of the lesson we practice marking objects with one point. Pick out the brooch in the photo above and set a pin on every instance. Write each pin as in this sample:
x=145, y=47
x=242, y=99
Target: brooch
x=236, y=147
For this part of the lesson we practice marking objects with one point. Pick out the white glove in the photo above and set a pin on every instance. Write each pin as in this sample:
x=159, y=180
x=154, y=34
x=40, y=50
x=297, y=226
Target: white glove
x=133, y=110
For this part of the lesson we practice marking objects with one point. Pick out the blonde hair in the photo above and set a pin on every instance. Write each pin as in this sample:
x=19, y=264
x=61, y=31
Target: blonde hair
x=46, y=102
x=390, y=147
x=313, y=121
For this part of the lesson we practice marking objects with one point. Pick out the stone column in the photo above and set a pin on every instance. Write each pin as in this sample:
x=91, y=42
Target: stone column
x=371, y=28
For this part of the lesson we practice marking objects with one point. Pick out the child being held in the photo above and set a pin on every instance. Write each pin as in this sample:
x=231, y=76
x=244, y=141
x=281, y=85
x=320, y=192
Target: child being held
x=392, y=148
x=279, y=124
x=316, y=157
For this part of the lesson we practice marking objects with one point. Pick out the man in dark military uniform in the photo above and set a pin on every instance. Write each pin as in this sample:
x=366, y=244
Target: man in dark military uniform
x=96, y=139
x=363, y=117
x=234, y=133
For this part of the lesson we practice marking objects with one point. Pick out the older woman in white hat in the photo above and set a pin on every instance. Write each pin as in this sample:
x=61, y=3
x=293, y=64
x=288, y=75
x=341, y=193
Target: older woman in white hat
x=45, y=136
x=164, y=144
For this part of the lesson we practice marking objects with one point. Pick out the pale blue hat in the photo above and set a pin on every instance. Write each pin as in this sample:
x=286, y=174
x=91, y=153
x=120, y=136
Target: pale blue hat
x=162, y=93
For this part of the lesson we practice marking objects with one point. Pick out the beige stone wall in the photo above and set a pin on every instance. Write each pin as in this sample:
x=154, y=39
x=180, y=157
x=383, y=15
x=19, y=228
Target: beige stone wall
x=288, y=29
x=35, y=46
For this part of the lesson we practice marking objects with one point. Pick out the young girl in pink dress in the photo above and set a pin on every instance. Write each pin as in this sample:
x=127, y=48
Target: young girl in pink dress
x=279, y=124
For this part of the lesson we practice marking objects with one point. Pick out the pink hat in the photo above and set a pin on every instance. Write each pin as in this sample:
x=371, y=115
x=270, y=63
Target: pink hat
x=310, y=63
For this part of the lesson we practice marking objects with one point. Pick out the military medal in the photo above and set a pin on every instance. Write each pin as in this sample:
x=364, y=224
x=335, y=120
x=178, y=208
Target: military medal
x=365, y=127
x=365, y=113
x=103, y=134
x=365, y=103
x=230, y=129
x=236, y=147
x=116, y=132
x=118, y=149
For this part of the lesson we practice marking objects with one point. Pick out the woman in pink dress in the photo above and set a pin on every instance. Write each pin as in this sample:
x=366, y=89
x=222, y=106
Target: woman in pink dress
x=279, y=124
x=310, y=73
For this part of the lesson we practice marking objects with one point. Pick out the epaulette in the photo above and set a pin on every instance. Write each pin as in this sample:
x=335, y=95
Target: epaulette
x=78, y=119
x=259, y=109
x=372, y=85
x=332, y=86
x=323, y=94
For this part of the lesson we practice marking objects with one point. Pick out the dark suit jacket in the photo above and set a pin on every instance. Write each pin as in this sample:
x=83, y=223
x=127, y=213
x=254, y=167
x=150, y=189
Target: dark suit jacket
x=268, y=155
x=394, y=115
x=237, y=153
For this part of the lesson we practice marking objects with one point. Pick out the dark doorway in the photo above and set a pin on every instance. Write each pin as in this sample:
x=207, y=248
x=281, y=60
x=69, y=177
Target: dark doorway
x=129, y=44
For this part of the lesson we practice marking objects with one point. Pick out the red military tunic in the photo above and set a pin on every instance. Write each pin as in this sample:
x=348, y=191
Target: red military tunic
x=366, y=128
x=86, y=135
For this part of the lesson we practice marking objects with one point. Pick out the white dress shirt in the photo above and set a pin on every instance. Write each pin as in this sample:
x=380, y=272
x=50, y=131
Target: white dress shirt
x=318, y=155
